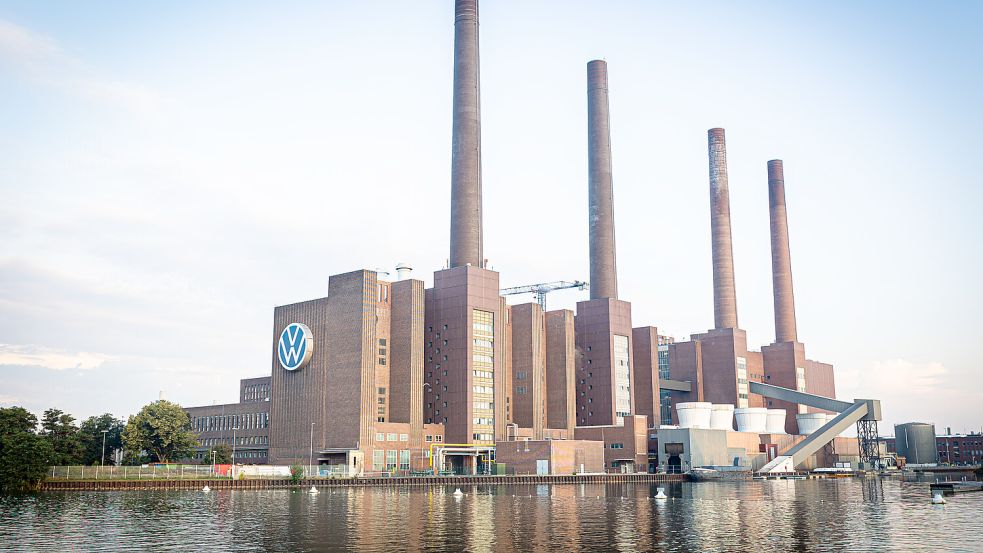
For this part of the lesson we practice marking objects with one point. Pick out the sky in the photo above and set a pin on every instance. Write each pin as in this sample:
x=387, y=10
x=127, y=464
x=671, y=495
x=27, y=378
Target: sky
x=171, y=171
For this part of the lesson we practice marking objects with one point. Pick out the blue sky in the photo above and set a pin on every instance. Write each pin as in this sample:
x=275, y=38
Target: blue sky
x=170, y=172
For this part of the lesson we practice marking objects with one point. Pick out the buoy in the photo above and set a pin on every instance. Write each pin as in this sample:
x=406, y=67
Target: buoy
x=661, y=494
x=458, y=492
x=312, y=490
x=206, y=489
x=937, y=499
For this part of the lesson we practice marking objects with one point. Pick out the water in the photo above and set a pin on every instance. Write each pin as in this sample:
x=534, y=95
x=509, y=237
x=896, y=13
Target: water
x=808, y=515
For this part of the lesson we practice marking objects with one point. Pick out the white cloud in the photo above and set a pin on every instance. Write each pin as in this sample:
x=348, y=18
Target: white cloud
x=50, y=358
x=43, y=60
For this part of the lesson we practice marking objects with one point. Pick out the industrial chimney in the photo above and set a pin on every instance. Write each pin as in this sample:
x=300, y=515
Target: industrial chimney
x=466, y=247
x=724, y=289
x=781, y=262
x=603, y=262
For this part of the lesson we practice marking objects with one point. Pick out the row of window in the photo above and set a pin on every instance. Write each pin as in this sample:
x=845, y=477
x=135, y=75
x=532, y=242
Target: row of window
x=387, y=460
x=240, y=440
x=256, y=392
x=391, y=437
x=245, y=421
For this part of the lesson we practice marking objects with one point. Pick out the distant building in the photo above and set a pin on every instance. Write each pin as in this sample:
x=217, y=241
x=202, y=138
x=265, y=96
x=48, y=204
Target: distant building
x=243, y=426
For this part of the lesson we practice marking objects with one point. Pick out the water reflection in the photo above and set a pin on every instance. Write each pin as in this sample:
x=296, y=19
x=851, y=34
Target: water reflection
x=826, y=515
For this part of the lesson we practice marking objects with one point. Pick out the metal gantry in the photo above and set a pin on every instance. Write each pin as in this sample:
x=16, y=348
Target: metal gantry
x=544, y=288
x=870, y=454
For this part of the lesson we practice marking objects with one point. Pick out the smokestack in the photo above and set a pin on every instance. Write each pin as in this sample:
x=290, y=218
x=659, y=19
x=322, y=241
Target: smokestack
x=466, y=247
x=781, y=262
x=724, y=289
x=603, y=262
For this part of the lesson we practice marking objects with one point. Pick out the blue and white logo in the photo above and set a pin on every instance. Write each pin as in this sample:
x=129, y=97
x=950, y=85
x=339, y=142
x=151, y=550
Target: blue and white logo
x=296, y=346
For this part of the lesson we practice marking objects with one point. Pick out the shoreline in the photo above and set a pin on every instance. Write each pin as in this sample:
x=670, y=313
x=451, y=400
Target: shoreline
x=399, y=481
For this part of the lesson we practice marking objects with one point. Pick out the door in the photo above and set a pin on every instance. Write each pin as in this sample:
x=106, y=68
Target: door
x=542, y=466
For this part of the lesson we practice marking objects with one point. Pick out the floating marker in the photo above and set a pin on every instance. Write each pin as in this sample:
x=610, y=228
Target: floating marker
x=458, y=492
x=312, y=490
x=661, y=494
x=937, y=499
x=206, y=489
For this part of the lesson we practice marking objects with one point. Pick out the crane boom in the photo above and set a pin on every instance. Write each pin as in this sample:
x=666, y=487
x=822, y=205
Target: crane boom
x=544, y=288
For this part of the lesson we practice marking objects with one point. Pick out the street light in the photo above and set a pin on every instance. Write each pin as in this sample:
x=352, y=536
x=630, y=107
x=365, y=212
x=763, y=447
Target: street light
x=311, y=460
x=103, y=461
x=233, y=471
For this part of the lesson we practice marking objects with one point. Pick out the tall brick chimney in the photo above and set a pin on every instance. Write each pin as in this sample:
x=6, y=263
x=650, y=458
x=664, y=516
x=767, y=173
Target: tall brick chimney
x=724, y=289
x=603, y=258
x=781, y=262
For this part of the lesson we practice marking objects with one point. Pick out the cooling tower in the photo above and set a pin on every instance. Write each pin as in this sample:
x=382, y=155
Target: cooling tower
x=722, y=416
x=694, y=414
x=776, y=421
x=810, y=422
x=751, y=419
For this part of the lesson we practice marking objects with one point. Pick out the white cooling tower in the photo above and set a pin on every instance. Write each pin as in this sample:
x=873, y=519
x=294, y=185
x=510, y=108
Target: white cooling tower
x=751, y=419
x=722, y=416
x=810, y=422
x=776, y=421
x=694, y=414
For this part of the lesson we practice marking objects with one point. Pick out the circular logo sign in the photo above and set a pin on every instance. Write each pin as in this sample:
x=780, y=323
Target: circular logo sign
x=296, y=346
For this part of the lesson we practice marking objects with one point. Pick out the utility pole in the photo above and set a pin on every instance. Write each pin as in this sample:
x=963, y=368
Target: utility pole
x=103, y=461
x=311, y=459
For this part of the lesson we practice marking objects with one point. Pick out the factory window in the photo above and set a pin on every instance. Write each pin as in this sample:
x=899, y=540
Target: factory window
x=382, y=341
x=404, y=437
x=521, y=375
x=391, y=459
x=380, y=419
x=445, y=342
x=382, y=390
x=445, y=327
x=381, y=400
x=378, y=460
x=391, y=437
x=617, y=446
x=404, y=459
x=588, y=348
x=382, y=360
x=438, y=438
x=429, y=438
x=521, y=390
x=380, y=437
x=382, y=351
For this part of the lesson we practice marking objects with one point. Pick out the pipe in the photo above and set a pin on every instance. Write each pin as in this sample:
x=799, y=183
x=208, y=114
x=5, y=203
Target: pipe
x=781, y=261
x=466, y=235
x=724, y=288
x=603, y=257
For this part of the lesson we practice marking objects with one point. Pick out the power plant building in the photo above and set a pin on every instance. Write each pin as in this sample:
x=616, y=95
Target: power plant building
x=384, y=376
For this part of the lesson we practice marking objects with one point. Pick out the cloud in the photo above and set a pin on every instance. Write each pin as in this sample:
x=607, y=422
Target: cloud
x=43, y=60
x=38, y=356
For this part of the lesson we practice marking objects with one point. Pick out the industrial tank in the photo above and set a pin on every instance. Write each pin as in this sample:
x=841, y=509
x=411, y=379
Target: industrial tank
x=915, y=441
x=694, y=414
x=722, y=416
x=751, y=419
x=776, y=421
x=810, y=422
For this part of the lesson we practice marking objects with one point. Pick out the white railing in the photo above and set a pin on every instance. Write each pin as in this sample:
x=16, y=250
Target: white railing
x=189, y=472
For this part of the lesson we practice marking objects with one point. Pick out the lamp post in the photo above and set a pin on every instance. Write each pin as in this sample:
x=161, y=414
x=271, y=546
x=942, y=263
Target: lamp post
x=103, y=461
x=310, y=462
x=213, y=461
x=233, y=471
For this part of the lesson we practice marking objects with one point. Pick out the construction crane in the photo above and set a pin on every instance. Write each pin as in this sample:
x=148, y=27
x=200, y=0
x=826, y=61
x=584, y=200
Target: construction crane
x=542, y=289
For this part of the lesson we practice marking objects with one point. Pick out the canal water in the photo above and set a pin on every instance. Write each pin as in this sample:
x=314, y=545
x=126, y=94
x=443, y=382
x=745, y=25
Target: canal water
x=809, y=515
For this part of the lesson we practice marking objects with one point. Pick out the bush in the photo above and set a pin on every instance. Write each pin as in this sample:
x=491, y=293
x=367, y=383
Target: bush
x=296, y=473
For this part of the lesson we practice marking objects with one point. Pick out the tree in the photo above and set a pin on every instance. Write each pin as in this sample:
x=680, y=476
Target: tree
x=163, y=430
x=90, y=433
x=60, y=430
x=223, y=455
x=24, y=456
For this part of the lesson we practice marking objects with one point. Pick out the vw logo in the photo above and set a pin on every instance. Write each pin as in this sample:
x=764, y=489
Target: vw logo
x=296, y=346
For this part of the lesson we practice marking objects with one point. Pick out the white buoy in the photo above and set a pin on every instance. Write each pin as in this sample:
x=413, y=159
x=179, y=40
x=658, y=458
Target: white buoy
x=458, y=492
x=661, y=494
x=206, y=489
x=312, y=490
x=937, y=499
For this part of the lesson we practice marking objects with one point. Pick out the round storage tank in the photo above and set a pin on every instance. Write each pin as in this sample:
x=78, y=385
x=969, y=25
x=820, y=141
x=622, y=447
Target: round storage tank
x=810, y=422
x=751, y=419
x=722, y=416
x=915, y=441
x=693, y=414
x=776, y=421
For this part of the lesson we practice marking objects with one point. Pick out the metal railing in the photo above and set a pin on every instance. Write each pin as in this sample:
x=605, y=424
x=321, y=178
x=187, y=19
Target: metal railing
x=189, y=472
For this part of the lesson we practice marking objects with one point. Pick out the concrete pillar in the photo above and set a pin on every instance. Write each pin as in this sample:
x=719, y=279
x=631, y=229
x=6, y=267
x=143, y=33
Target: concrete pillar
x=724, y=289
x=781, y=262
x=466, y=236
x=603, y=262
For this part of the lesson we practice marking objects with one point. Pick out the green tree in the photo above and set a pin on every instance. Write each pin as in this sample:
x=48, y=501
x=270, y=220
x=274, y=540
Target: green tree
x=163, y=430
x=60, y=430
x=24, y=455
x=90, y=433
x=223, y=455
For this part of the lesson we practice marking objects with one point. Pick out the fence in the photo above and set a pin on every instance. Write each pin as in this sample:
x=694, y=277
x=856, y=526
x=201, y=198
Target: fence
x=189, y=472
